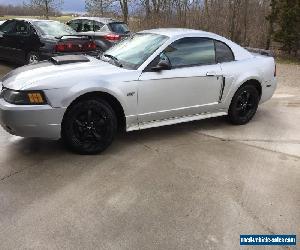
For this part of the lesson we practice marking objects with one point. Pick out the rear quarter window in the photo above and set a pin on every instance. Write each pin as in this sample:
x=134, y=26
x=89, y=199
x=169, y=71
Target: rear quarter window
x=223, y=52
x=98, y=26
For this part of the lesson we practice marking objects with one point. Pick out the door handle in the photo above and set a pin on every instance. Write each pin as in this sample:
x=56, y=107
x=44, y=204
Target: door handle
x=211, y=73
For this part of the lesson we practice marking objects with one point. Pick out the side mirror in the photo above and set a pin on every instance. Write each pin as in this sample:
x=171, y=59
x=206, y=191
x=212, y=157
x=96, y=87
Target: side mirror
x=162, y=65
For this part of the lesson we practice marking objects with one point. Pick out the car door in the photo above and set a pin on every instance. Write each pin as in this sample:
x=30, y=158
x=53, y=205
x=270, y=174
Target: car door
x=23, y=40
x=6, y=42
x=192, y=85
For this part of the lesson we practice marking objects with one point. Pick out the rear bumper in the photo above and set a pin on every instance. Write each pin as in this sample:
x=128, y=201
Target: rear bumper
x=268, y=90
x=40, y=121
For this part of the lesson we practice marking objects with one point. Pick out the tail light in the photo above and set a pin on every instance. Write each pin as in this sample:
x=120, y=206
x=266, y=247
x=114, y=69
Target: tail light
x=112, y=37
x=90, y=46
x=60, y=48
x=71, y=47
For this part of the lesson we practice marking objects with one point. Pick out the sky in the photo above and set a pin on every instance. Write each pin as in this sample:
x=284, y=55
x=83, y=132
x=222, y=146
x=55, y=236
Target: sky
x=69, y=5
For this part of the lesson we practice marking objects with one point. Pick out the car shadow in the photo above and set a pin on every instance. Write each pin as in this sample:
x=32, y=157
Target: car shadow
x=31, y=147
x=38, y=169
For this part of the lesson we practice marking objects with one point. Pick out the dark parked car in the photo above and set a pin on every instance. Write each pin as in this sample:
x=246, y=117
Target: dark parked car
x=105, y=31
x=30, y=40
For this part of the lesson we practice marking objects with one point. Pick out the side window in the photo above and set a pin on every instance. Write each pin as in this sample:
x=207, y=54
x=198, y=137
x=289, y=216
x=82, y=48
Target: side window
x=76, y=25
x=191, y=51
x=22, y=29
x=82, y=25
x=87, y=26
x=98, y=26
x=223, y=52
x=8, y=27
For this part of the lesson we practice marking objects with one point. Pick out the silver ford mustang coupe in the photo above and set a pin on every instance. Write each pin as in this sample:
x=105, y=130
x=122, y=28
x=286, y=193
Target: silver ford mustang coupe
x=154, y=78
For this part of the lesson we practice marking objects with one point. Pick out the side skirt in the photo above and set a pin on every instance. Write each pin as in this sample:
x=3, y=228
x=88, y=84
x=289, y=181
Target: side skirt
x=175, y=120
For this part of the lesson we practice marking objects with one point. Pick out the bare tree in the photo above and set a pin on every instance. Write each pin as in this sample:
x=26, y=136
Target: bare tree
x=245, y=14
x=98, y=7
x=46, y=6
x=271, y=19
x=207, y=14
x=124, y=8
x=243, y=21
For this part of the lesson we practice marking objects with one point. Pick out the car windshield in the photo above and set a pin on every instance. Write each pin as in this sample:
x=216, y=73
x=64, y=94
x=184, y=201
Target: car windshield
x=120, y=28
x=54, y=28
x=135, y=50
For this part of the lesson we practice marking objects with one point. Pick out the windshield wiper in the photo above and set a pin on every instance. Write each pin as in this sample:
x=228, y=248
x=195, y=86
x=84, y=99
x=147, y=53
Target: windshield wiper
x=116, y=60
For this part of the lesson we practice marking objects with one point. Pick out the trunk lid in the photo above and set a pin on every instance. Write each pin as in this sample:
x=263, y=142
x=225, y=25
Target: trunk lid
x=75, y=43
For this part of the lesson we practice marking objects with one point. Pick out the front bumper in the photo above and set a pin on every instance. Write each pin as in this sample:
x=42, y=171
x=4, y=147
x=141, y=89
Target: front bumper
x=41, y=121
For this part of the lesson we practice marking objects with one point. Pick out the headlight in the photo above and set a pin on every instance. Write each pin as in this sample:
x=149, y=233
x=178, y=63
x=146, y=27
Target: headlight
x=33, y=97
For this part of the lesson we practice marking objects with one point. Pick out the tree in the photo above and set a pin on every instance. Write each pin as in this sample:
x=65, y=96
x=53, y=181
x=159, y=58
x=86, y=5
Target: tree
x=234, y=6
x=271, y=19
x=46, y=6
x=124, y=8
x=206, y=14
x=97, y=7
x=245, y=21
x=288, y=21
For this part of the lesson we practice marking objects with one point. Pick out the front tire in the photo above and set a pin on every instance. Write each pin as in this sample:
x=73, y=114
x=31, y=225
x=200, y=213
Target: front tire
x=244, y=105
x=89, y=126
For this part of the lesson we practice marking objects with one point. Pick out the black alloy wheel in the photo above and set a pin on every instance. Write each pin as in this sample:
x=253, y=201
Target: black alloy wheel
x=244, y=105
x=89, y=126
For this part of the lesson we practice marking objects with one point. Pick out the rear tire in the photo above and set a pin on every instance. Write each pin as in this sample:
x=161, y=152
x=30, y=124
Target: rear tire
x=244, y=105
x=89, y=126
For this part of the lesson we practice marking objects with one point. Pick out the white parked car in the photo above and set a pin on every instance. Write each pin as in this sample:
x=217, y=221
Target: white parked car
x=2, y=22
x=154, y=78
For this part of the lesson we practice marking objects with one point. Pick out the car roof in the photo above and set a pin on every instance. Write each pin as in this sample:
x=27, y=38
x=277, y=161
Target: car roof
x=104, y=20
x=31, y=20
x=175, y=32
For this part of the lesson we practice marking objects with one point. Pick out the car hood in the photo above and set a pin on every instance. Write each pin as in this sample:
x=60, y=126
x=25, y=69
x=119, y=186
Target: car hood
x=47, y=75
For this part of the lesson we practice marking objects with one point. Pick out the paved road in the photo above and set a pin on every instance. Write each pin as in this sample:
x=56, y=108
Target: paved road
x=190, y=186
